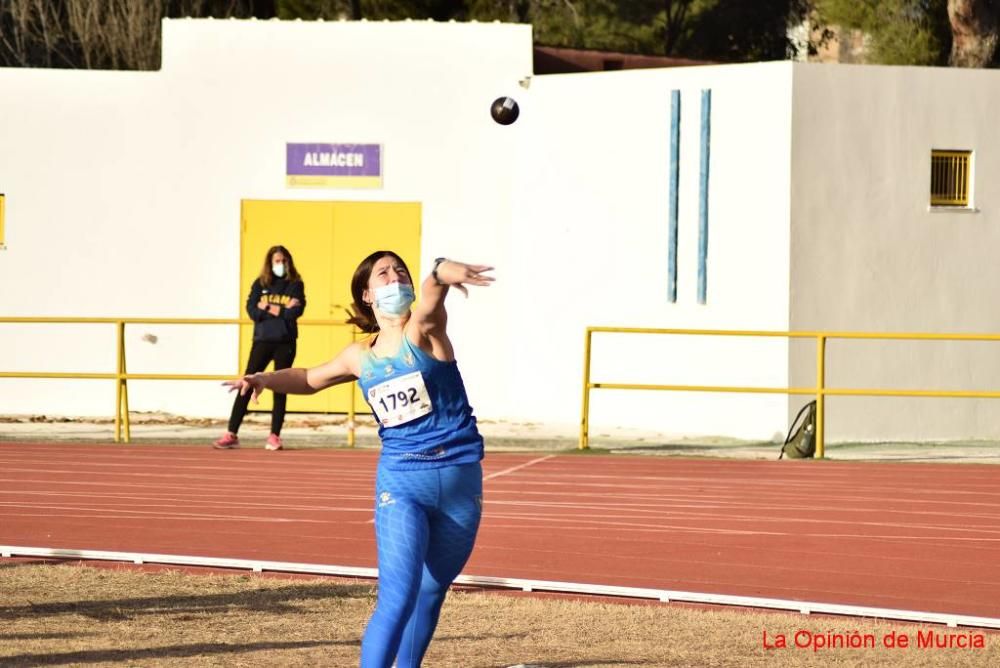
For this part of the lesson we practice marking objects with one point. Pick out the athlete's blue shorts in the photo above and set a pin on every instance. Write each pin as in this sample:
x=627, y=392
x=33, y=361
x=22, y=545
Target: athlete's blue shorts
x=425, y=526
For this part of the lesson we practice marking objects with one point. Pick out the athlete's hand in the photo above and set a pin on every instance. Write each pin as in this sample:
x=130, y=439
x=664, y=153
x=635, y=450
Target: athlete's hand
x=262, y=304
x=458, y=274
x=274, y=309
x=252, y=383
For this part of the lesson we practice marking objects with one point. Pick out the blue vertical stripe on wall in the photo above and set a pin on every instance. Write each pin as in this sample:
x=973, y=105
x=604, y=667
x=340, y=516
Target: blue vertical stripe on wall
x=706, y=123
x=675, y=154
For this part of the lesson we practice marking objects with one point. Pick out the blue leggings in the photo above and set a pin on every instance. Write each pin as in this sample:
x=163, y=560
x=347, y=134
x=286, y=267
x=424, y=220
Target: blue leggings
x=425, y=526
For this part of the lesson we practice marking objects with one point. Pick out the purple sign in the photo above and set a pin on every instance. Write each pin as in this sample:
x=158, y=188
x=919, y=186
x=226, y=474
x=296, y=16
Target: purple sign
x=346, y=165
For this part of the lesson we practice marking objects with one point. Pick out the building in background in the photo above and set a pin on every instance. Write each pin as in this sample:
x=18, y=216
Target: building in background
x=153, y=194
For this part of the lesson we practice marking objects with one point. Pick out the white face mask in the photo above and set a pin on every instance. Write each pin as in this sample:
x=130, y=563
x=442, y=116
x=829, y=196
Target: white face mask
x=278, y=269
x=394, y=299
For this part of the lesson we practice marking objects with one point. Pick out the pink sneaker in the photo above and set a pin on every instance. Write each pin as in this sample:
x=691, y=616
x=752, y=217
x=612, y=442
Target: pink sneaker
x=273, y=442
x=229, y=441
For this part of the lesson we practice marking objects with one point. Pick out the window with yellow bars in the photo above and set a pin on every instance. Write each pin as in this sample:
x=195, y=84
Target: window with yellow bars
x=950, y=178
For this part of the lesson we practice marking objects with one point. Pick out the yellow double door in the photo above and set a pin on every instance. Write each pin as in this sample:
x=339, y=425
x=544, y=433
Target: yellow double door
x=327, y=241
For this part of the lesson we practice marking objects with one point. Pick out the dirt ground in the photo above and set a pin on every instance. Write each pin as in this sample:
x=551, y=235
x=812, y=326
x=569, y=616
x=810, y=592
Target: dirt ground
x=69, y=615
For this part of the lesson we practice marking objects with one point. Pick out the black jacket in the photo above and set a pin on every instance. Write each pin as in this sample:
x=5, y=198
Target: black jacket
x=279, y=328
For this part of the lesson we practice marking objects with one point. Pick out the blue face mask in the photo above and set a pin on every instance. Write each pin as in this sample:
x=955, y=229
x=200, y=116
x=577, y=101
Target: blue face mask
x=278, y=270
x=394, y=299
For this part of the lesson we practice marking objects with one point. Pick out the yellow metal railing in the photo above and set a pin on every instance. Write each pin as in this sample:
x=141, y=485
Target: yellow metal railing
x=820, y=391
x=121, y=375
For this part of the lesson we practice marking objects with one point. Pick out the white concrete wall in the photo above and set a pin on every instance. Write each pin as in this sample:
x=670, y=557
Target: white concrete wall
x=124, y=195
x=590, y=246
x=124, y=188
x=869, y=254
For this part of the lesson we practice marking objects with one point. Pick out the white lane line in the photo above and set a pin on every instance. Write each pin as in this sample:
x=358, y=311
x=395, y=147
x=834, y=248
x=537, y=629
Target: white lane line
x=664, y=595
x=193, y=520
x=159, y=515
x=606, y=528
x=553, y=512
x=620, y=521
x=117, y=501
x=241, y=485
x=518, y=467
x=186, y=518
x=198, y=473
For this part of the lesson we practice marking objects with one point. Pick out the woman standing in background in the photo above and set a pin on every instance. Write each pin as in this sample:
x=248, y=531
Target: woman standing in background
x=277, y=299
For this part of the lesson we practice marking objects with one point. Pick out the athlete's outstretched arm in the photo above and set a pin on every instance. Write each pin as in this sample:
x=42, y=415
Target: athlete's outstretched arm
x=343, y=368
x=430, y=314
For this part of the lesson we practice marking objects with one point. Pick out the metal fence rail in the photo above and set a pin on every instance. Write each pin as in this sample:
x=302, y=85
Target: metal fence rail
x=121, y=375
x=820, y=391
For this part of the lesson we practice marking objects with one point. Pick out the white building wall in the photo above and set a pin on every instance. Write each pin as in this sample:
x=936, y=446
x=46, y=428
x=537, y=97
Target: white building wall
x=868, y=253
x=124, y=188
x=590, y=244
x=124, y=195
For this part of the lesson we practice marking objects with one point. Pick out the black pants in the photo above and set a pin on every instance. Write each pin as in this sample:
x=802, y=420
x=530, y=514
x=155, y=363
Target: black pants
x=261, y=354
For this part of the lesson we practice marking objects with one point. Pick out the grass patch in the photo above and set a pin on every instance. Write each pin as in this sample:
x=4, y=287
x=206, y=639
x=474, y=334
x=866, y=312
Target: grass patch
x=55, y=614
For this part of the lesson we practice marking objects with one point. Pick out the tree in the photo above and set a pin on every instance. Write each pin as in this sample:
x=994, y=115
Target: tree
x=439, y=10
x=975, y=27
x=101, y=34
x=744, y=30
x=728, y=30
x=33, y=33
x=722, y=30
x=960, y=33
x=901, y=32
x=918, y=32
x=125, y=34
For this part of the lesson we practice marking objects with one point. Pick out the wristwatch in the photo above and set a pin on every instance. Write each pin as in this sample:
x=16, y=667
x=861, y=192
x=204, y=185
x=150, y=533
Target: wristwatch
x=434, y=271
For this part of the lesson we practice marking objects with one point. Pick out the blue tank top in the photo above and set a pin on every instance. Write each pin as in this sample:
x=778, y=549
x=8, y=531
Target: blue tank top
x=424, y=416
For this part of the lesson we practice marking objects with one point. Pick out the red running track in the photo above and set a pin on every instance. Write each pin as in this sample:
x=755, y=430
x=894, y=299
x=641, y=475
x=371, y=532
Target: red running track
x=907, y=536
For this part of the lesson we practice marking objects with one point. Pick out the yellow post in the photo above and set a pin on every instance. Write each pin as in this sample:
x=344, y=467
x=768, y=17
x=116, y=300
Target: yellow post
x=354, y=396
x=350, y=417
x=120, y=334
x=584, y=422
x=123, y=370
x=820, y=394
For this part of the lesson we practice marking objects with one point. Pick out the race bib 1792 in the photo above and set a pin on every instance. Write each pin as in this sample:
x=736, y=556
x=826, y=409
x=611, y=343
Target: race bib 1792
x=400, y=400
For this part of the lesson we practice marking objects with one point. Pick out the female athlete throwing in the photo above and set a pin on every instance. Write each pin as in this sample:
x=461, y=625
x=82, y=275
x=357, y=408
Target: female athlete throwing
x=428, y=488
